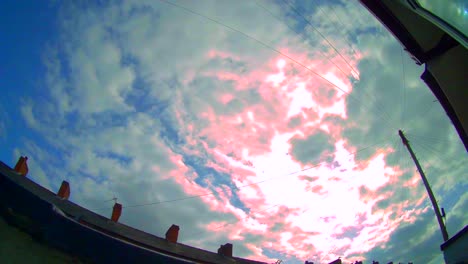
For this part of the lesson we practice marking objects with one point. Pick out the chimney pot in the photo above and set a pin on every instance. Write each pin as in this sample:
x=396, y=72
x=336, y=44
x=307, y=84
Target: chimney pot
x=116, y=212
x=64, y=191
x=21, y=166
x=225, y=250
x=172, y=233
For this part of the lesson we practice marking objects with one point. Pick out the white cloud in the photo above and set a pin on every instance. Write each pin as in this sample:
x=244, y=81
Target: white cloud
x=28, y=115
x=140, y=87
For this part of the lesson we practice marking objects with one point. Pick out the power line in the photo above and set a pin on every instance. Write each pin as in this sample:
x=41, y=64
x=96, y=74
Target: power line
x=267, y=46
x=321, y=10
x=235, y=221
x=425, y=112
x=320, y=34
x=360, y=9
x=250, y=214
x=339, y=21
x=336, y=50
x=431, y=139
x=404, y=87
x=270, y=47
x=240, y=187
x=298, y=33
x=382, y=111
x=428, y=148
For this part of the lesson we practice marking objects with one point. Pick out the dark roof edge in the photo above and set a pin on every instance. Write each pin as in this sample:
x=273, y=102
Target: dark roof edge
x=429, y=79
x=454, y=238
x=393, y=24
x=6, y=171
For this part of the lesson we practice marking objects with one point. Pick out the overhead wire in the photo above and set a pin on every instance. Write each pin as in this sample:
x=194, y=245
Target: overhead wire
x=360, y=9
x=428, y=110
x=319, y=6
x=299, y=34
x=190, y=197
x=358, y=20
x=249, y=215
x=271, y=207
x=430, y=139
x=320, y=34
x=271, y=48
x=428, y=148
x=243, y=186
x=332, y=46
x=332, y=8
x=381, y=110
x=426, y=157
x=402, y=96
x=212, y=193
x=403, y=111
x=404, y=156
x=427, y=164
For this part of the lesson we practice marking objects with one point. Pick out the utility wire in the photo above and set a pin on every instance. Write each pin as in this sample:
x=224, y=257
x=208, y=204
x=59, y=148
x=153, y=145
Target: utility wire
x=277, y=51
x=428, y=149
x=431, y=140
x=330, y=44
x=341, y=22
x=243, y=186
x=320, y=34
x=426, y=112
x=319, y=6
x=256, y=212
x=403, y=111
x=332, y=8
x=360, y=8
x=234, y=221
x=299, y=34
x=382, y=111
x=267, y=46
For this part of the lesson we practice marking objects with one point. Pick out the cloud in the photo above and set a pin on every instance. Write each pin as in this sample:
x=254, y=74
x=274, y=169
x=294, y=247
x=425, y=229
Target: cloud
x=28, y=115
x=423, y=234
x=153, y=104
x=313, y=148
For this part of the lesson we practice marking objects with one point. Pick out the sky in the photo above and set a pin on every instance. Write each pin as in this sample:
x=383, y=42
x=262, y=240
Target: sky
x=272, y=125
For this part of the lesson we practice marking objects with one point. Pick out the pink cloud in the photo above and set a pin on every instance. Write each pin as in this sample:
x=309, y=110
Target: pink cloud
x=253, y=144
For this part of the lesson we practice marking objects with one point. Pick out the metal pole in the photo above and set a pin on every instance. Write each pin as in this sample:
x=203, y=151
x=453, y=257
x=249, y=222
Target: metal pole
x=443, y=229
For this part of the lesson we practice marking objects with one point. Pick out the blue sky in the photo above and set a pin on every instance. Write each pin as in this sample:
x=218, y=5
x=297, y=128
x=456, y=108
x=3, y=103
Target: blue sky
x=27, y=30
x=290, y=142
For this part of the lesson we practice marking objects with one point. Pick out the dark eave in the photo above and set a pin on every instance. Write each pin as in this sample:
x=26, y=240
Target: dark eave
x=431, y=41
x=15, y=188
x=454, y=238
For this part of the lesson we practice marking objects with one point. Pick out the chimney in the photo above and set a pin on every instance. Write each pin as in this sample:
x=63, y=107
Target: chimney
x=336, y=261
x=116, y=212
x=172, y=233
x=64, y=191
x=21, y=166
x=225, y=250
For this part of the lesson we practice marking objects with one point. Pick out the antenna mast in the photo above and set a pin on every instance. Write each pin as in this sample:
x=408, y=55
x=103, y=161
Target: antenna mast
x=443, y=229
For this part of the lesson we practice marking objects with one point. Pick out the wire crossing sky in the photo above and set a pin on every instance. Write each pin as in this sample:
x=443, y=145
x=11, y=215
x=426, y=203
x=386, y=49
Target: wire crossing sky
x=272, y=125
